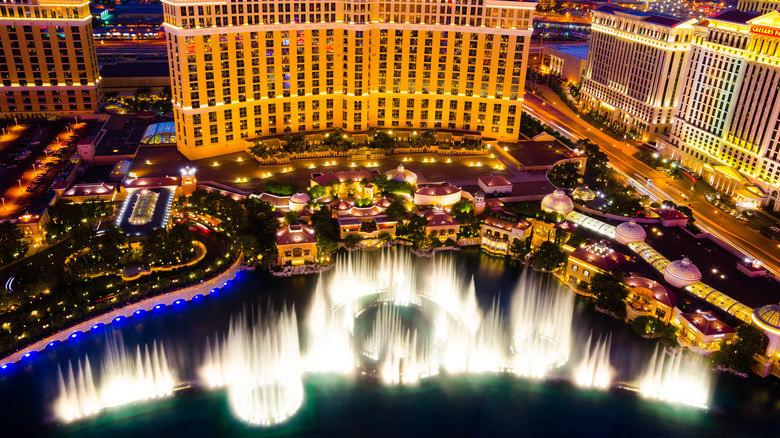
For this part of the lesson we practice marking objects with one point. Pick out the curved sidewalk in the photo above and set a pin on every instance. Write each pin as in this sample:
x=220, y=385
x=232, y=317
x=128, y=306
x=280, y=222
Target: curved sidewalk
x=117, y=315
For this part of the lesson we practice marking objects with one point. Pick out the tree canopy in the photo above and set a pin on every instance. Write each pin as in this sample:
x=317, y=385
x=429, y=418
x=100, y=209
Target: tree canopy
x=12, y=242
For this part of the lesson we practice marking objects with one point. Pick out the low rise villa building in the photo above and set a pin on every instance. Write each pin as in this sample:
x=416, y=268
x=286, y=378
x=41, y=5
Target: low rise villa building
x=589, y=260
x=368, y=228
x=497, y=235
x=442, y=194
x=441, y=225
x=649, y=298
x=494, y=184
x=297, y=244
x=670, y=217
x=81, y=192
x=702, y=331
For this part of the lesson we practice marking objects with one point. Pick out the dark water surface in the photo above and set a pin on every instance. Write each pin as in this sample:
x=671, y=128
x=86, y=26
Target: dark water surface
x=448, y=406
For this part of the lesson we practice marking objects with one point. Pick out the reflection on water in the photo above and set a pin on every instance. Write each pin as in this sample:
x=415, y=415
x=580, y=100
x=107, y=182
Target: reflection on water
x=185, y=329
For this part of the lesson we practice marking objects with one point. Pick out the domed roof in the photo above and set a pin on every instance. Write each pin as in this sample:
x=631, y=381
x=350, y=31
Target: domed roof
x=438, y=190
x=300, y=198
x=364, y=211
x=629, y=232
x=768, y=317
x=583, y=193
x=401, y=174
x=383, y=202
x=681, y=273
x=341, y=205
x=558, y=202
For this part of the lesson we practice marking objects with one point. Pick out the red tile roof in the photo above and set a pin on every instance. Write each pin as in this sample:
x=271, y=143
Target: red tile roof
x=295, y=234
x=604, y=261
x=708, y=324
x=494, y=181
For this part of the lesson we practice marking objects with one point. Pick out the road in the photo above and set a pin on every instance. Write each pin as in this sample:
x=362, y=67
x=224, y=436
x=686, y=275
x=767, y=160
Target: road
x=131, y=47
x=554, y=112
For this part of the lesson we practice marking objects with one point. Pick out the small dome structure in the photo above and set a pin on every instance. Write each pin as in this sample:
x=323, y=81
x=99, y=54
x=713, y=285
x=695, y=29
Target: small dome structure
x=298, y=201
x=681, y=273
x=768, y=317
x=383, y=202
x=341, y=205
x=557, y=202
x=629, y=232
x=583, y=194
x=402, y=174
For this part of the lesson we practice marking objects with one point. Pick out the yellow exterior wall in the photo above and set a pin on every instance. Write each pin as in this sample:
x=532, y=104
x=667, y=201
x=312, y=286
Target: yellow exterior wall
x=245, y=71
x=49, y=65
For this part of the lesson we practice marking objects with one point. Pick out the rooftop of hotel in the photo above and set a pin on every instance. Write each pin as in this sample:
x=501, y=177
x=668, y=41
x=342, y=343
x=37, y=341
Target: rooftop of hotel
x=438, y=189
x=90, y=189
x=660, y=292
x=438, y=218
x=668, y=213
x=648, y=17
x=579, y=51
x=708, y=324
x=323, y=178
x=146, y=183
x=295, y=234
x=506, y=225
x=123, y=134
x=732, y=16
x=600, y=255
x=494, y=181
x=537, y=153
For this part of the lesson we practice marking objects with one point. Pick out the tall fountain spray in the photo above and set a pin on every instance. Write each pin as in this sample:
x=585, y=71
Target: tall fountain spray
x=677, y=378
x=541, y=325
x=328, y=336
x=124, y=377
x=595, y=371
x=402, y=358
x=259, y=362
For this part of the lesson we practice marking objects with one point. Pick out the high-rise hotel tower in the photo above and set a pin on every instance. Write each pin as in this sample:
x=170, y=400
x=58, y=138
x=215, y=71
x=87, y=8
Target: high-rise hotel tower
x=634, y=64
x=727, y=126
x=242, y=70
x=47, y=59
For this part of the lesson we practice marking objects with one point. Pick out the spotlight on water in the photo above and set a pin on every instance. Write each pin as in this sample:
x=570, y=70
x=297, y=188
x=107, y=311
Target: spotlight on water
x=124, y=377
x=595, y=370
x=677, y=377
x=259, y=362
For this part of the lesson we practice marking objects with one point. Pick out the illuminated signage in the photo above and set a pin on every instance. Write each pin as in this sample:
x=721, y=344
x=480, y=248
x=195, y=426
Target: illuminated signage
x=764, y=30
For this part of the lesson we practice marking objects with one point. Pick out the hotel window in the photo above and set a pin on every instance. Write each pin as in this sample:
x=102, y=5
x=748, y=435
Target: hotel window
x=585, y=272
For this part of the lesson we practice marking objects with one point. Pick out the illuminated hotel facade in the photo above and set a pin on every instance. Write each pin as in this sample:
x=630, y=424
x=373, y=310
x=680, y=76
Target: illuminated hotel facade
x=634, y=64
x=247, y=70
x=48, y=64
x=760, y=6
x=726, y=126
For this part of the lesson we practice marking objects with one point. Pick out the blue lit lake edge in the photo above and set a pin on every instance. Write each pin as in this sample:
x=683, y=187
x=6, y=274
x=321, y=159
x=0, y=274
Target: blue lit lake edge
x=336, y=406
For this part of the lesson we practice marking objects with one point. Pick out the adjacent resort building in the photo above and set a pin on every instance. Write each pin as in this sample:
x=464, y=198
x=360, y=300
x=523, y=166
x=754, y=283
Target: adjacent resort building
x=49, y=66
x=725, y=126
x=245, y=71
x=634, y=64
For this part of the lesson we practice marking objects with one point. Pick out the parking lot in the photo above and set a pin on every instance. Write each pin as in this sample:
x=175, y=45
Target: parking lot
x=34, y=157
